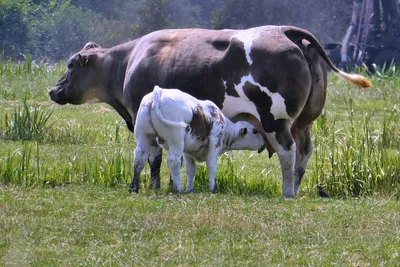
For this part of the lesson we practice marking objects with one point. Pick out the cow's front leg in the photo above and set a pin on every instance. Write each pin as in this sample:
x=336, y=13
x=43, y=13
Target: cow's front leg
x=285, y=146
x=155, y=160
x=191, y=169
x=141, y=155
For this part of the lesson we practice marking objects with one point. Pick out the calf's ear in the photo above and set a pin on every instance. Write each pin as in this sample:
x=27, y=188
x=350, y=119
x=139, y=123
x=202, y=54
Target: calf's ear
x=243, y=132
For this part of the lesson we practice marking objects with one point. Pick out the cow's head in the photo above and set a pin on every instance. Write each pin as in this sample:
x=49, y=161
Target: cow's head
x=247, y=137
x=78, y=84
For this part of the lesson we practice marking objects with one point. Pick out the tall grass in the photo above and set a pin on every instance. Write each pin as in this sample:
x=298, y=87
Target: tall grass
x=28, y=79
x=358, y=160
x=27, y=166
x=28, y=122
x=29, y=67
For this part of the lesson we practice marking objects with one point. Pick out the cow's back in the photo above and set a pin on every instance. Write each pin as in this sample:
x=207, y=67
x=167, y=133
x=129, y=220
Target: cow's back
x=210, y=64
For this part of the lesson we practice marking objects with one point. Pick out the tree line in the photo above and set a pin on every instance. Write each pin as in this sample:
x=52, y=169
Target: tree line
x=54, y=29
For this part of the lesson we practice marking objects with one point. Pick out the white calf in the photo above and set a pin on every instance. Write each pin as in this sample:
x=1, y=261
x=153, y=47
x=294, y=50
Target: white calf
x=188, y=127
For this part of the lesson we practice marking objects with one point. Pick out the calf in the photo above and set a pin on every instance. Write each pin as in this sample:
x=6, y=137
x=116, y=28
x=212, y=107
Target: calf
x=188, y=127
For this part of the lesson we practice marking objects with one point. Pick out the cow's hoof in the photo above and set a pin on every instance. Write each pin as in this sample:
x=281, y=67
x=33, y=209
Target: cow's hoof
x=133, y=190
x=214, y=191
x=288, y=196
x=288, y=193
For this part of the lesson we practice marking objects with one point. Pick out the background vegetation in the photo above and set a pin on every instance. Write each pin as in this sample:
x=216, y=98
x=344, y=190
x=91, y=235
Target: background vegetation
x=53, y=29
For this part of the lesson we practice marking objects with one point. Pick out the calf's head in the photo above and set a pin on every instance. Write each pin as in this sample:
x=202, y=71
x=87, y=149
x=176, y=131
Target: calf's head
x=247, y=137
x=78, y=84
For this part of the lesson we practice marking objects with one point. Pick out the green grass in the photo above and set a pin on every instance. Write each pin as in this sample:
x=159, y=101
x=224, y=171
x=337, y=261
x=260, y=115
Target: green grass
x=91, y=225
x=65, y=172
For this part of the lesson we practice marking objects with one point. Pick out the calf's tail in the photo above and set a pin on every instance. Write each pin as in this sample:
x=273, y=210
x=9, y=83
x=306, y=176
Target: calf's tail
x=296, y=35
x=157, y=91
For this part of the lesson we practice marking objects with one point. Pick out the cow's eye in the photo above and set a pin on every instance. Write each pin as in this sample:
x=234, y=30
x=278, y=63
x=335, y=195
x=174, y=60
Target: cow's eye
x=255, y=131
x=70, y=65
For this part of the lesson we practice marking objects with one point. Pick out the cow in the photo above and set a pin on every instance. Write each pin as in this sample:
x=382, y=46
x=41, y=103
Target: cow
x=278, y=74
x=188, y=127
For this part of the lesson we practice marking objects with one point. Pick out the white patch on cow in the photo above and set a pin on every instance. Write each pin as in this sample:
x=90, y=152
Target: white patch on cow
x=235, y=105
x=278, y=107
x=247, y=37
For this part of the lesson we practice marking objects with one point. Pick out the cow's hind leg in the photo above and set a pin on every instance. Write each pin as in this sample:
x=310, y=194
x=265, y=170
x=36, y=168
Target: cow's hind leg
x=303, y=153
x=285, y=146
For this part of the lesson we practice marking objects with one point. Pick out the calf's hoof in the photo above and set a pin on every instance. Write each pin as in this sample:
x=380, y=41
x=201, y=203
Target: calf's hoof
x=214, y=190
x=189, y=191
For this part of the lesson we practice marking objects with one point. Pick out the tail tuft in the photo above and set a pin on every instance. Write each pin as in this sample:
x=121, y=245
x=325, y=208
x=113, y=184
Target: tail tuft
x=356, y=79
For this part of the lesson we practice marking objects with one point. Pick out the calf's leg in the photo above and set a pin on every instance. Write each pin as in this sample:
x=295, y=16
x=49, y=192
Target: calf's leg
x=191, y=169
x=212, y=165
x=141, y=155
x=155, y=160
x=174, y=163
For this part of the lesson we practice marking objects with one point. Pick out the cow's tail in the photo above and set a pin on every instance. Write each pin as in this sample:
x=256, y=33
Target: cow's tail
x=157, y=91
x=296, y=35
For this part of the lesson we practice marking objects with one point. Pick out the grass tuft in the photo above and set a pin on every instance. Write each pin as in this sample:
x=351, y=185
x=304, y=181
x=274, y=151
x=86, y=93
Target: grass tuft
x=27, y=122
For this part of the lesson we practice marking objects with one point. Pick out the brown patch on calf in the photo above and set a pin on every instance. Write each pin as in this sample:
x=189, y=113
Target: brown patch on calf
x=219, y=117
x=200, y=124
x=217, y=114
x=256, y=123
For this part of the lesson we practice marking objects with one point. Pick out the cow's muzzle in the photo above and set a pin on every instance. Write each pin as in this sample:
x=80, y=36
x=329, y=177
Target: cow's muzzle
x=57, y=96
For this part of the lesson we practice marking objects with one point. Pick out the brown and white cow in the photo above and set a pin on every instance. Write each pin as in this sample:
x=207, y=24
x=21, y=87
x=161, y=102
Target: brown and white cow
x=275, y=73
x=188, y=127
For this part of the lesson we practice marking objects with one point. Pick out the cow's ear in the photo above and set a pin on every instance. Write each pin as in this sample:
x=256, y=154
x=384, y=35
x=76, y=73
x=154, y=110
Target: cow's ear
x=243, y=132
x=84, y=60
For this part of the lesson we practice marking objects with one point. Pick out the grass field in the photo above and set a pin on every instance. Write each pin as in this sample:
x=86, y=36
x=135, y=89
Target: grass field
x=64, y=173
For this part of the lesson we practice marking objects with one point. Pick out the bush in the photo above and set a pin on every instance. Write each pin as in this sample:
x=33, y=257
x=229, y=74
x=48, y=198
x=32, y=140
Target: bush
x=14, y=33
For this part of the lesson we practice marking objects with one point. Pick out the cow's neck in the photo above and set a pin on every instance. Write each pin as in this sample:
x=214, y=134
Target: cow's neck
x=114, y=63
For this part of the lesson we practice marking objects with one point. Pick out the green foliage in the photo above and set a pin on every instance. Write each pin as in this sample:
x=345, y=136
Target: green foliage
x=60, y=29
x=54, y=29
x=14, y=33
x=27, y=122
x=152, y=16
